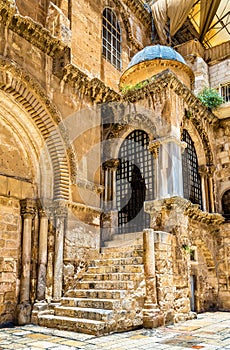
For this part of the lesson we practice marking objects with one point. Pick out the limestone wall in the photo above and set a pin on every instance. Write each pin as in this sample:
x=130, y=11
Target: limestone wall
x=222, y=144
x=223, y=267
x=219, y=73
x=10, y=249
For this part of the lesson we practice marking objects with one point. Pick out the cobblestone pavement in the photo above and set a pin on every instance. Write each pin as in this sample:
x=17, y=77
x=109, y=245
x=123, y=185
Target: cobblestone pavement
x=210, y=331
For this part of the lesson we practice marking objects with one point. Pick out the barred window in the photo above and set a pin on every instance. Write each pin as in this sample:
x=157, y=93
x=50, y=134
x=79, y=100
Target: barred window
x=111, y=38
x=226, y=205
x=225, y=92
x=134, y=182
x=191, y=177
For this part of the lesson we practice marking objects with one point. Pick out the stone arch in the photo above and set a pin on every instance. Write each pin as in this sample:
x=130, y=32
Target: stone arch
x=128, y=123
x=29, y=95
x=198, y=129
x=201, y=156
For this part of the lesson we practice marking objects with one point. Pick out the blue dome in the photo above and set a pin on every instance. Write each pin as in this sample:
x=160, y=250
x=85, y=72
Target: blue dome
x=154, y=52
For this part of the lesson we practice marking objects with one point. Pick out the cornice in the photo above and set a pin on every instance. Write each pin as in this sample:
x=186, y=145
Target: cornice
x=137, y=7
x=30, y=30
x=94, y=88
x=165, y=79
x=196, y=214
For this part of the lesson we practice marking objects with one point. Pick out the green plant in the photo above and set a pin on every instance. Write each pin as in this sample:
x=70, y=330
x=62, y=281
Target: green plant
x=210, y=98
x=137, y=86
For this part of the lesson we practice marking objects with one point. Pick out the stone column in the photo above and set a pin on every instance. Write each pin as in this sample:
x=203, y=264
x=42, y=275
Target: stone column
x=109, y=217
x=154, y=147
x=152, y=316
x=60, y=223
x=211, y=170
x=169, y=166
x=28, y=209
x=110, y=168
x=42, y=257
x=203, y=175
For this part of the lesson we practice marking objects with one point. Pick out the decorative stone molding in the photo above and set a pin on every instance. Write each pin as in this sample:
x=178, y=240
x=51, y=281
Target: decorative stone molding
x=185, y=207
x=90, y=186
x=30, y=30
x=28, y=93
x=198, y=113
x=82, y=208
x=95, y=89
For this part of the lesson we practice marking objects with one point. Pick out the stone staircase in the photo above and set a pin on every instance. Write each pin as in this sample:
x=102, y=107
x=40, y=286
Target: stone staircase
x=109, y=297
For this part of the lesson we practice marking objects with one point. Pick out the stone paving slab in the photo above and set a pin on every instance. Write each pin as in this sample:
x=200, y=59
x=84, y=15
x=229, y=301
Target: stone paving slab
x=211, y=331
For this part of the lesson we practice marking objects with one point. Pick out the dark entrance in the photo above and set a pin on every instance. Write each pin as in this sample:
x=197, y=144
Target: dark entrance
x=134, y=182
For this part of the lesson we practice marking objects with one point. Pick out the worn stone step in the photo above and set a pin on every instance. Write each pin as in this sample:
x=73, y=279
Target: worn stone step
x=117, y=261
x=126, y=285
x=97, y=294
x=86, y=313
x=116, y=268
x=107, y=304
x=74, y=324
x=131, y=236
x=117, y=276
x=109, y=253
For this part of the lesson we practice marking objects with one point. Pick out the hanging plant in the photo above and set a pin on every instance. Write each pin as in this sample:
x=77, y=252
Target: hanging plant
x=210, y=98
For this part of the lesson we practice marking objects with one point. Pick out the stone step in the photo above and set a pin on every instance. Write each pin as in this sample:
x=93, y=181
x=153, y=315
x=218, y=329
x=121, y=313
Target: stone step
x=131, y=236
x=117, y=276
x=116, y=268
x=107, y=304
x=117, y=261
x=97, y=294
x=85, y=313
x=74, y=324
x=126, y=285
x=110, y=253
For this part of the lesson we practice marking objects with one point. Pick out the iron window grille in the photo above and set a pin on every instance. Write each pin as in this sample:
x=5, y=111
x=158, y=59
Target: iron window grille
x=111, y=38
x=134, y=182
x=225, y=92
x=191, y=177
x=226, y=205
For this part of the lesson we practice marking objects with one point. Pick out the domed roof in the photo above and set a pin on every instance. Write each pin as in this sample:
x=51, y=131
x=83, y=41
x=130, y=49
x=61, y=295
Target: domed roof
x=156, y=52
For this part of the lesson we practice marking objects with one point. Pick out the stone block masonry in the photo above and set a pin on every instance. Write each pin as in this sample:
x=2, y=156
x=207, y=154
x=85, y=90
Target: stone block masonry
x=10, y=241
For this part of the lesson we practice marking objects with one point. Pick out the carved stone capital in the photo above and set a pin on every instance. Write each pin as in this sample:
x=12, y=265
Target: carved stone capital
x=203, y=170
x=60, y=210
x=28, y=207
x=211, y=170
x=111, y=164
x=154, y=147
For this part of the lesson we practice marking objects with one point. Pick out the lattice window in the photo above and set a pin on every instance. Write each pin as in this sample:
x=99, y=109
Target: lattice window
x=134, y=182
x=225, y=92
x=191, y=177
x=226, y=205
x=111, y=38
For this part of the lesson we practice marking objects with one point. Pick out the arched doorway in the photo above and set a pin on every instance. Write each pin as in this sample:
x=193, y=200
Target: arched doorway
x=134, y=182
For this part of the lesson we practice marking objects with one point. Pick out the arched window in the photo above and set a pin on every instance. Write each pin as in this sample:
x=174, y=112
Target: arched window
x=226, y=205
x=111, y=38
x=134, y=182
x=191, y=177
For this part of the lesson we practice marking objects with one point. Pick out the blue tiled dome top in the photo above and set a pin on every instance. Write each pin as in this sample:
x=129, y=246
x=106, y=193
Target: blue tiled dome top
x=155, y=52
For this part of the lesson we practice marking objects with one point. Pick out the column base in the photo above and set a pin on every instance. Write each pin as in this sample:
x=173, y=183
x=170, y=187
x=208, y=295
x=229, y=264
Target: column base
x=23, y=313
x=152, y=316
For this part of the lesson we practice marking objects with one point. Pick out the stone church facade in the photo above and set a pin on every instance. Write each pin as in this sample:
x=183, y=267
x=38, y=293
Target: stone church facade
x=115, y=187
